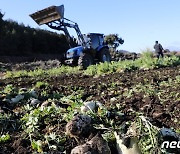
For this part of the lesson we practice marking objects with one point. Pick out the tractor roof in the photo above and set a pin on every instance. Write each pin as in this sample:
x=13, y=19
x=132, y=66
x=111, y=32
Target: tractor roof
x=95, y=34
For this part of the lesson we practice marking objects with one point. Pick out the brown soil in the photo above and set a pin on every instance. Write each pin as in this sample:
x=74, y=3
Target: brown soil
x=106, y=87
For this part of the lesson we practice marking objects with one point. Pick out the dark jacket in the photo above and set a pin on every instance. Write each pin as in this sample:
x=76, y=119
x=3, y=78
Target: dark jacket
x=158, y=48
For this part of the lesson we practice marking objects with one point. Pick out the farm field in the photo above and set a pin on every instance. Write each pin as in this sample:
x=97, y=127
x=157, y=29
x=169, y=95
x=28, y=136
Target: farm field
x=37, y=104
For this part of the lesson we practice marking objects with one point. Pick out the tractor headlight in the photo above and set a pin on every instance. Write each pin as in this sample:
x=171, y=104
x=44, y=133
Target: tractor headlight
x=70, y=54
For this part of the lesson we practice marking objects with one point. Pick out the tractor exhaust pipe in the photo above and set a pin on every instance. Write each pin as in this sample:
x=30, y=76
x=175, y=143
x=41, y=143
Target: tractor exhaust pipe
x=48, y=15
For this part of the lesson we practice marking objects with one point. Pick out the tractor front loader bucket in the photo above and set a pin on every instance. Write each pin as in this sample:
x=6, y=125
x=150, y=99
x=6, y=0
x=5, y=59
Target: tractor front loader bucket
x=48, y=15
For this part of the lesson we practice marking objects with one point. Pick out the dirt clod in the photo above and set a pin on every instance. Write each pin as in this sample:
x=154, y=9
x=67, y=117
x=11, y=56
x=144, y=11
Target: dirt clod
x=97, y=145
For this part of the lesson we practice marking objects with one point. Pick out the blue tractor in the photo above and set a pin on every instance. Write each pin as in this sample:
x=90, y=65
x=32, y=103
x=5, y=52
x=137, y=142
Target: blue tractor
x=90, y=48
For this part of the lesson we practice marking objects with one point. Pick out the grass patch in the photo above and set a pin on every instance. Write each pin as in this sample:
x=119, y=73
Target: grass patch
x=145, y=62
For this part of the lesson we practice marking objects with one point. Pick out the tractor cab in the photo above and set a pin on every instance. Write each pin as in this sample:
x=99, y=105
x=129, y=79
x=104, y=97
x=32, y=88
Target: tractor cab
x=96, y=40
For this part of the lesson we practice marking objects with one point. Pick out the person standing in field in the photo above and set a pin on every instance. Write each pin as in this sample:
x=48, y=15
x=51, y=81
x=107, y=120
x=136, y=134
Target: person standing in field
x=158, y=49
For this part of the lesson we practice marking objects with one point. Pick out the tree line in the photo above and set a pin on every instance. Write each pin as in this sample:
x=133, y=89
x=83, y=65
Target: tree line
x=17, y=39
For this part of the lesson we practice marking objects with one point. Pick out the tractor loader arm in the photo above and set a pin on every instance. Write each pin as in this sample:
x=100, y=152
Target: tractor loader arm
x=54, y=18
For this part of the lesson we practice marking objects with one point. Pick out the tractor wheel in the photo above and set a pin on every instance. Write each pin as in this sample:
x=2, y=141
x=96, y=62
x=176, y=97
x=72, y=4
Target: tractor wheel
x=85, y=60
x=104, y=55
x=75, y=62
